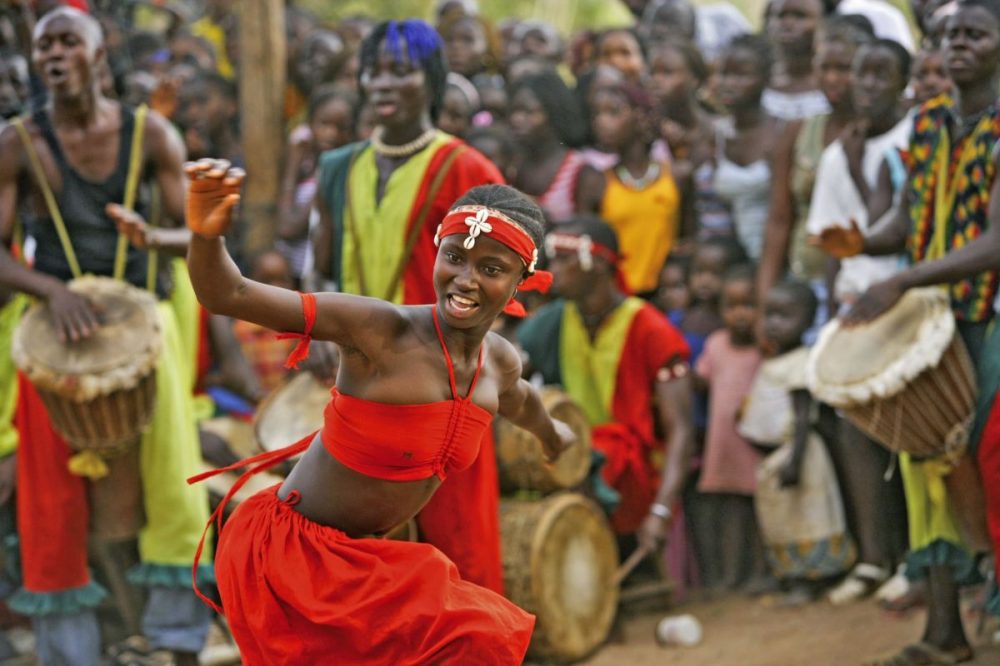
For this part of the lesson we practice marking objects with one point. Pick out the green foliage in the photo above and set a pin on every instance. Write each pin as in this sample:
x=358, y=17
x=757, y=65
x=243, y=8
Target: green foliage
x=567, y=15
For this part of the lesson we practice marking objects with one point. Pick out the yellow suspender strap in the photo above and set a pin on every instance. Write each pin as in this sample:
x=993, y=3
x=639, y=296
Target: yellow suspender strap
x=152, y=263
x=50, y=199
x=135, y=163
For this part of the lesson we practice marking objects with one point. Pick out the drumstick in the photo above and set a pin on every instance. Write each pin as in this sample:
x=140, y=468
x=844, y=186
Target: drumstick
x=637, y=556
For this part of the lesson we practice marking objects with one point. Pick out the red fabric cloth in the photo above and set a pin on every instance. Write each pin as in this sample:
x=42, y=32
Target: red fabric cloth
x=296, y=592
x=469, y=169
x=52, y=509
x=440, y=437
x=989, y=470
x=462, y=519
x=631, y=439
x=301, y=351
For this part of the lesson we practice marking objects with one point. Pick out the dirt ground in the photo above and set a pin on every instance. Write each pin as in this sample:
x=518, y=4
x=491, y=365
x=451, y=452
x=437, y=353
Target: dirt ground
x=739, y=631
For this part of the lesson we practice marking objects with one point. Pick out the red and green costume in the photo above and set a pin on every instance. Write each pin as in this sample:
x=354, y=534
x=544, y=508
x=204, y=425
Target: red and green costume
x=612, y=377
x=392, y=257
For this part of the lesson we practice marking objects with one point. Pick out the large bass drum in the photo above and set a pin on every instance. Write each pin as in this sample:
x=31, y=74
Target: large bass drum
x=559, y=562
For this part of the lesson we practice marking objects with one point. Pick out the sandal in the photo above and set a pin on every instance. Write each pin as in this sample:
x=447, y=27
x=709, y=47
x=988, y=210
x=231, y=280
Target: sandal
x=863, y=580
x=925, y=654
x=136, y=651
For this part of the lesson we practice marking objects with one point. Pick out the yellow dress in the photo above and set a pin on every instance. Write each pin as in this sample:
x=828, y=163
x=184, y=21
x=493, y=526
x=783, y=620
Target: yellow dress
x=646, y=221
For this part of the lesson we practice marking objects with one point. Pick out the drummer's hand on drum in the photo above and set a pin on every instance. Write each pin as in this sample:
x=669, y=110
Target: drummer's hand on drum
x=213, y=190
x=879, y=298
x=565, y=438
x=74, y=316
x=130, y=224
x=840, y=242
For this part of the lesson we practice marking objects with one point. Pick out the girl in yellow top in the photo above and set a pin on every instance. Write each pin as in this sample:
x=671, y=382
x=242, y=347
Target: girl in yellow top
x=641, y=199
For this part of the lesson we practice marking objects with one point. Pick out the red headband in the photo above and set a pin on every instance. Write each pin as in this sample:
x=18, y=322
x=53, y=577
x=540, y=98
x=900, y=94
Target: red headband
x=480, y=220
x=586, y=249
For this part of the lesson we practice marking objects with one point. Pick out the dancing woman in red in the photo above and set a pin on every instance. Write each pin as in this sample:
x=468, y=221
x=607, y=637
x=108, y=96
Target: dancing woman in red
x=302, y=579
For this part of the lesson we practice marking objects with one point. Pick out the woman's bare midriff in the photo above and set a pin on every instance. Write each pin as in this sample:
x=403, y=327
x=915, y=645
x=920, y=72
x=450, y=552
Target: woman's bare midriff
x=354, y=503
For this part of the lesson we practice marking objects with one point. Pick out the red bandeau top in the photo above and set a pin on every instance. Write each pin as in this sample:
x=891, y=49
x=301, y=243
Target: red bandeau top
x=407, y=442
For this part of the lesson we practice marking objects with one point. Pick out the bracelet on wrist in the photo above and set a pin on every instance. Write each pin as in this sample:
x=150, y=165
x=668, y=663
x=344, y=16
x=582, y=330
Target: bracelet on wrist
x=661, y=510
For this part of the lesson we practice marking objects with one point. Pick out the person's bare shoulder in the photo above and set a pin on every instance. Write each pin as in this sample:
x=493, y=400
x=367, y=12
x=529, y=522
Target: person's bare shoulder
x=504, y=357
x=160, y=133
x=11, y=148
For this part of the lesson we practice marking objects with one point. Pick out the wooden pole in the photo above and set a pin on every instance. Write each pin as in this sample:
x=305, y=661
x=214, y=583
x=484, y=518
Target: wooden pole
x=262, y=123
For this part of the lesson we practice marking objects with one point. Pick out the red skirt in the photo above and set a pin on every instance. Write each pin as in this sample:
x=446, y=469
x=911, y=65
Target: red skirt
x=296, y=592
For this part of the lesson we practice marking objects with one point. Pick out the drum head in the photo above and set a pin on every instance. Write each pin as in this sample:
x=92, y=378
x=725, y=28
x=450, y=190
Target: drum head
x=560, y=559
x=291, y=412
x=121, y=351
x=876, y=360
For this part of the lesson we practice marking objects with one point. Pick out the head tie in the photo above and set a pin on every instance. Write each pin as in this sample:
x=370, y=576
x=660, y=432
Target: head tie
x=476, y=221
x=586, y=249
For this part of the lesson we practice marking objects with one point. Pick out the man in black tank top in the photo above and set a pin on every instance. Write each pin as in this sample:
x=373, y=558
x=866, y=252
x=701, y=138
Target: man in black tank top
x=79, y=147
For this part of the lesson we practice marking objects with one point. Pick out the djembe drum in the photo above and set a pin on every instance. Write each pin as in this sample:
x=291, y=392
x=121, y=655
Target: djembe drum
x=904, y=379
x=519, y=453
x=290, y=412
x=560, y=558
x=100, y=391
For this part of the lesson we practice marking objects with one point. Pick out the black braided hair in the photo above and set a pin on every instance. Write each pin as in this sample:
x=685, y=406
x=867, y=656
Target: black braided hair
x=511, y=203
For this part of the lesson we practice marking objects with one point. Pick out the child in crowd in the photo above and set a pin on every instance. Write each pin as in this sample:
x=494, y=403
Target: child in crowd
x=207, y=112
x=622, y=49
x=711, y=258
x=461, y=103
x=494, y=142
x=928, y=76
x=641, y=201
x=333, y=113
x=798, y=503
x=727, y=367
x=673, y=295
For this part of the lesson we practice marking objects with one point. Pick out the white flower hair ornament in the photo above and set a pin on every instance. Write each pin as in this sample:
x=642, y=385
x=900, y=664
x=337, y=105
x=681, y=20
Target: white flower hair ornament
x=477, y=224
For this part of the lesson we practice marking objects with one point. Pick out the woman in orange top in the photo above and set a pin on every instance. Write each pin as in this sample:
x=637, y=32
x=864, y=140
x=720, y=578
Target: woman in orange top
x=641, y=199
x=301, y=580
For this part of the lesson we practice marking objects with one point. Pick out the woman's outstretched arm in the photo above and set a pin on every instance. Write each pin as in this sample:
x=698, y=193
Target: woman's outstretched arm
x=349, y=321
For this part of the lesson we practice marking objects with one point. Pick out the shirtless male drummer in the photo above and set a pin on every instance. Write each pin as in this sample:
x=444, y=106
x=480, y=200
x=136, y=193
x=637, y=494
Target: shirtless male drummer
x=82, y=143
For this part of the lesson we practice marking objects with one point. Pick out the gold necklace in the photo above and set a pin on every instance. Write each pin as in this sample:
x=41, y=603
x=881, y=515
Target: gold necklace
x=402, y=150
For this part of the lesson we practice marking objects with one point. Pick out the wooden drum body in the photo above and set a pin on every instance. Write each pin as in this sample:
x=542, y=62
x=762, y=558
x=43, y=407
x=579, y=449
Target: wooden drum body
x=100, y=391
x=559, y=562
x=519, y=453
x=291, y=412
x=905, y=379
